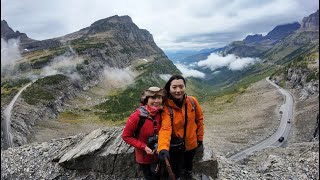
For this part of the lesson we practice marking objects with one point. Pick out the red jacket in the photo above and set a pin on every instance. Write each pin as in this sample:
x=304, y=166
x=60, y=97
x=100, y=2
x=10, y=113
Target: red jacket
x=141, y=141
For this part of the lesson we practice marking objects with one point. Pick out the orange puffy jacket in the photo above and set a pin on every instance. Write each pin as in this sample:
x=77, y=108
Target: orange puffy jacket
x=195, y=126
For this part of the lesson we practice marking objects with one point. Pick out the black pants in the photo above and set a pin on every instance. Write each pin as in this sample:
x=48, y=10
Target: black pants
x=147, y=172
x=181, y=160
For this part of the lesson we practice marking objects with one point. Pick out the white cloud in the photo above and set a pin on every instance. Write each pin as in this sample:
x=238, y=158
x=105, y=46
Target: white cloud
x=165, y=77
x=117, y=78
x=10, y=53
x=166, y=20
x=62, y=65
x=215, y=61
x=241, y=63
x=187, y=72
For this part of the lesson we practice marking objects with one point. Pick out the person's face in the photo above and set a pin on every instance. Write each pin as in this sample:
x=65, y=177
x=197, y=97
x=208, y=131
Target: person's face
x=177, y=89
x=155, y=101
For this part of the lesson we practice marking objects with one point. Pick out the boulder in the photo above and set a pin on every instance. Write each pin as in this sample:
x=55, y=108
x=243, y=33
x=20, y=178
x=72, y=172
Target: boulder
x=105, y=151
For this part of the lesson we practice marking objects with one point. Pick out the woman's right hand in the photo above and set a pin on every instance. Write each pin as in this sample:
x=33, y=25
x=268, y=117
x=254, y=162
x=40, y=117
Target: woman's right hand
x=148, y=150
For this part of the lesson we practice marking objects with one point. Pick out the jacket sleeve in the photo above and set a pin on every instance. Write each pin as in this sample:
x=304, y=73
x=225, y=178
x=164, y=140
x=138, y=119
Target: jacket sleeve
x=199, y=120
x=165, y=131
x=130, y=128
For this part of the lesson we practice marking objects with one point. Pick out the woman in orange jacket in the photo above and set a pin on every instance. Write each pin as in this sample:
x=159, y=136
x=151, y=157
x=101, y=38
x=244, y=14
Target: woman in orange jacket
x=182, y=133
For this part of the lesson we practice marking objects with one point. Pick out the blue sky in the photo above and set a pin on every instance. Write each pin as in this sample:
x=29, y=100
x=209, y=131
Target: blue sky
x=175, y=25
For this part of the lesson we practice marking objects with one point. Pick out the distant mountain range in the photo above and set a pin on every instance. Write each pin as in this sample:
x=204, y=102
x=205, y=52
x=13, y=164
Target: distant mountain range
x=280, y=46
x=262, y=46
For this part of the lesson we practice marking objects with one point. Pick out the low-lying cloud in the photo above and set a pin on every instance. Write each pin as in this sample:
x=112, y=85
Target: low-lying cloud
x=232, y=62
x=165, y=77
x=10, y=53
x=62, y=65
x=188, y=72
x=117, y=78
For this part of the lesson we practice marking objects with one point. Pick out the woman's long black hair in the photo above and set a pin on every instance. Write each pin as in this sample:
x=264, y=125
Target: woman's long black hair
x=174, y=77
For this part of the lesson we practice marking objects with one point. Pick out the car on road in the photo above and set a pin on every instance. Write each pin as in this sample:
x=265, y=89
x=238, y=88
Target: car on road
x=289, y=121
x=281, y=139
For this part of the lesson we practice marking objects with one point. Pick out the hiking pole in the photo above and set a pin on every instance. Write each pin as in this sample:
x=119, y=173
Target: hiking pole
x=171, y=175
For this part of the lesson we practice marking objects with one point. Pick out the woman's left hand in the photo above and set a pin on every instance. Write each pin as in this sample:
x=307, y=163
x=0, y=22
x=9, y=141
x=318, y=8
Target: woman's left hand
x=148, y=150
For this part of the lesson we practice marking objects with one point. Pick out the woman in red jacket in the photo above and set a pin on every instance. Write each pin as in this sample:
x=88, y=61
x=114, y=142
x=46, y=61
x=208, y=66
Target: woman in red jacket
x=149, y=114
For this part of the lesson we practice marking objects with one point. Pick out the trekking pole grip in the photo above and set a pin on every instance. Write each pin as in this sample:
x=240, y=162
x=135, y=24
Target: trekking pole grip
x=171, y=175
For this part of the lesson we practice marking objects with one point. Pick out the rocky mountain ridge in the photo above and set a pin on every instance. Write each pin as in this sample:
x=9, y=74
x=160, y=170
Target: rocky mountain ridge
x=276, y=34
x=262, y=46
x=271, y=54
x=8, y=33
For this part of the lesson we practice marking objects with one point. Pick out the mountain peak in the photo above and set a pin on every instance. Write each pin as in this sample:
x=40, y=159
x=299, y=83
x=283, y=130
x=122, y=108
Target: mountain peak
x=253, y=38
x=8, y=33
x=114, y=19
x=282, y=31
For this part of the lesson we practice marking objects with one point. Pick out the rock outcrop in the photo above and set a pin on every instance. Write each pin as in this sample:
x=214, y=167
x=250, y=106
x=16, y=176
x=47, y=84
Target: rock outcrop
x=101, y=154
x=297, y=79
x=39, y=45
x=311, y=22
x=8, y=33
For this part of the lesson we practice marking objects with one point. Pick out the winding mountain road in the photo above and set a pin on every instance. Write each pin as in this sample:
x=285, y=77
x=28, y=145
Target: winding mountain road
x=7, y=121
x=286, y=111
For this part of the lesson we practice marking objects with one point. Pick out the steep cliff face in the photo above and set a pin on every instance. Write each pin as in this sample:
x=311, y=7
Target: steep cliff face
x=311, y=22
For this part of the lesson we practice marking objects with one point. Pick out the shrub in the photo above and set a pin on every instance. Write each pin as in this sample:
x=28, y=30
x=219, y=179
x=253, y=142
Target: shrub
x=51, y=80
x=34, y=95
x=313, y=76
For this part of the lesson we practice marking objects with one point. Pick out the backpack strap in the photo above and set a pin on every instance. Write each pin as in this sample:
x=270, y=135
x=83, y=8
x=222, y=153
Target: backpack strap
x=171, y=113
x=193, y=108
x=140, y=124
x=192, y=102
x=143, y=116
